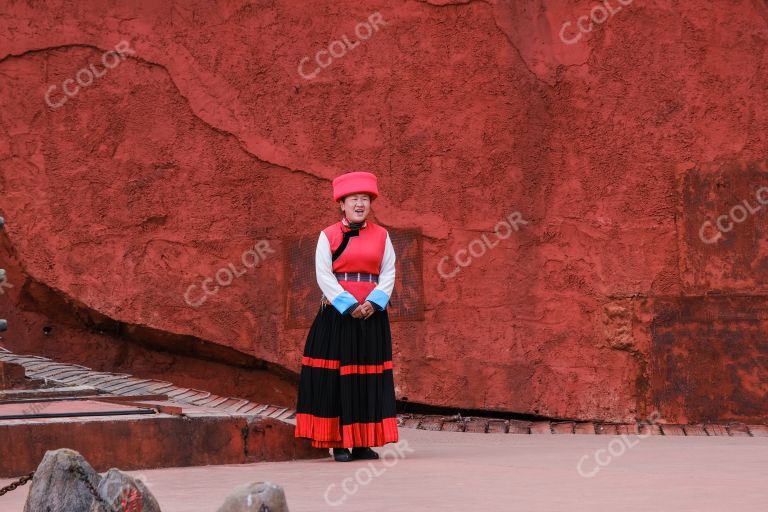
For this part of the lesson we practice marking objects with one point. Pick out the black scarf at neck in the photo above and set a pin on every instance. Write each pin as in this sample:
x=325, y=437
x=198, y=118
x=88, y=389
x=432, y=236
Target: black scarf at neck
x=354, y=225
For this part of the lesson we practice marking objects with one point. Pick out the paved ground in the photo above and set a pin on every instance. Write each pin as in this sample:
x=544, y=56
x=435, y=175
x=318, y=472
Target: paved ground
x=499, y=472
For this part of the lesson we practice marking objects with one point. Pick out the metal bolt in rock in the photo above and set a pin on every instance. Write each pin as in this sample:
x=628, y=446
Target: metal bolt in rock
x=256, y=497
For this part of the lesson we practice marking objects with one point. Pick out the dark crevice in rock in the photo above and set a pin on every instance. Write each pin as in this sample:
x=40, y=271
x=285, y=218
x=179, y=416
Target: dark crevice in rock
x=63, y=310
x=407, y=407
x=47, y=322
x=246, y=430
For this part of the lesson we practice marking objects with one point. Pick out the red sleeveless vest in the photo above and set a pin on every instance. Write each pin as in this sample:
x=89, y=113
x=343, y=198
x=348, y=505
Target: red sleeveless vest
x=363, y=253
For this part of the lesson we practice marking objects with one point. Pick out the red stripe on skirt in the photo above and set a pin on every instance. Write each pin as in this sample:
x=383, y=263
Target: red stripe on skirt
x=320, y=363
x=325, y=432
x=365, y=368
x=347, y=369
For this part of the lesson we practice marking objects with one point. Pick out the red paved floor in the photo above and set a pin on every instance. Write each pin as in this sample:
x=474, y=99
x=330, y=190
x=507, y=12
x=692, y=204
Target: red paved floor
x=467, y=471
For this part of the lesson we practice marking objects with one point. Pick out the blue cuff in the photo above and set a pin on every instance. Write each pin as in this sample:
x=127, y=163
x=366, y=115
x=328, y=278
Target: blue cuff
x=344, y=303
x=378, y=298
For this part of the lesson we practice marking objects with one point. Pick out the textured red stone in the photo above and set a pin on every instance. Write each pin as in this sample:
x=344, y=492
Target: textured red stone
x=563, y=428
x=584, y=428
x=518, y=427
x=453, y=426
x=431, y=424
x=716, y=430
x=672, y=430
x=541, y=427
x=649, y=429
x=476, y=425
x=694, y=430
x=606, y=429
x=497, y=427
x=206, y=140
x=628, y=429
x=738, y=430
x=758, y=430
x=11, y=375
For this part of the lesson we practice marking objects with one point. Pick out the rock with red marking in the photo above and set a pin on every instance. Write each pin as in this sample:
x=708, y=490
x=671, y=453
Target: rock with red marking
x=124, y=493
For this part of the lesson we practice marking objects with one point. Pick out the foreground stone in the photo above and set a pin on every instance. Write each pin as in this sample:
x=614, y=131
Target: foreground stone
x=56, y=487
x=256, y=497
x=122, y=492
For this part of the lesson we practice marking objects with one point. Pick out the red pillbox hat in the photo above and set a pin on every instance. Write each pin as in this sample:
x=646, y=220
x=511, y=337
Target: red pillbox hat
x=358, y=182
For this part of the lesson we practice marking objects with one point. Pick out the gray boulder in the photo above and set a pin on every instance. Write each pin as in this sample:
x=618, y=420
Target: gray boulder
x=56, y=488
x=121, y=492
x=256, y=497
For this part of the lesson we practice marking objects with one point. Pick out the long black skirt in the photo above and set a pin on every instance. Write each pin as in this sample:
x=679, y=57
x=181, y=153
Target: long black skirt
x=346, y=389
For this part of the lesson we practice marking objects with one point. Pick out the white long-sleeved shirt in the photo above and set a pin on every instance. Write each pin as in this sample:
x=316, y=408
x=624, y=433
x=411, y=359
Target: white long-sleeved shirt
x=341, y=299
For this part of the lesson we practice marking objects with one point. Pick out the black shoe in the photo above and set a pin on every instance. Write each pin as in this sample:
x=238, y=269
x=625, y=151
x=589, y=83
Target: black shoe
x=342, y=455
x=364, y=453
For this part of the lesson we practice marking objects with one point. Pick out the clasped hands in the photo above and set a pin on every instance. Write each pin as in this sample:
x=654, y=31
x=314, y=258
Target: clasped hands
x=364, y=310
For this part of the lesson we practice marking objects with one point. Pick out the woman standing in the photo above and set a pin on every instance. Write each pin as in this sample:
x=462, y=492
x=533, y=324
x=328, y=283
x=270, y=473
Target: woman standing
x=346, y=390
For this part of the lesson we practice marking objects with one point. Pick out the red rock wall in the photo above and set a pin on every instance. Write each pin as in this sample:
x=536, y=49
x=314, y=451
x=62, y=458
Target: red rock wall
x=614, y=145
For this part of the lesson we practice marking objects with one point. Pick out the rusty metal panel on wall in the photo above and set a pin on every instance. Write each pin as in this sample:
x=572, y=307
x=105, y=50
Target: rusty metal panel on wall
x=722, y=220
x=709, y=358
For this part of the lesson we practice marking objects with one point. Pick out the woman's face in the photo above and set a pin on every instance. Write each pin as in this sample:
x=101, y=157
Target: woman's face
x=356, y=207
